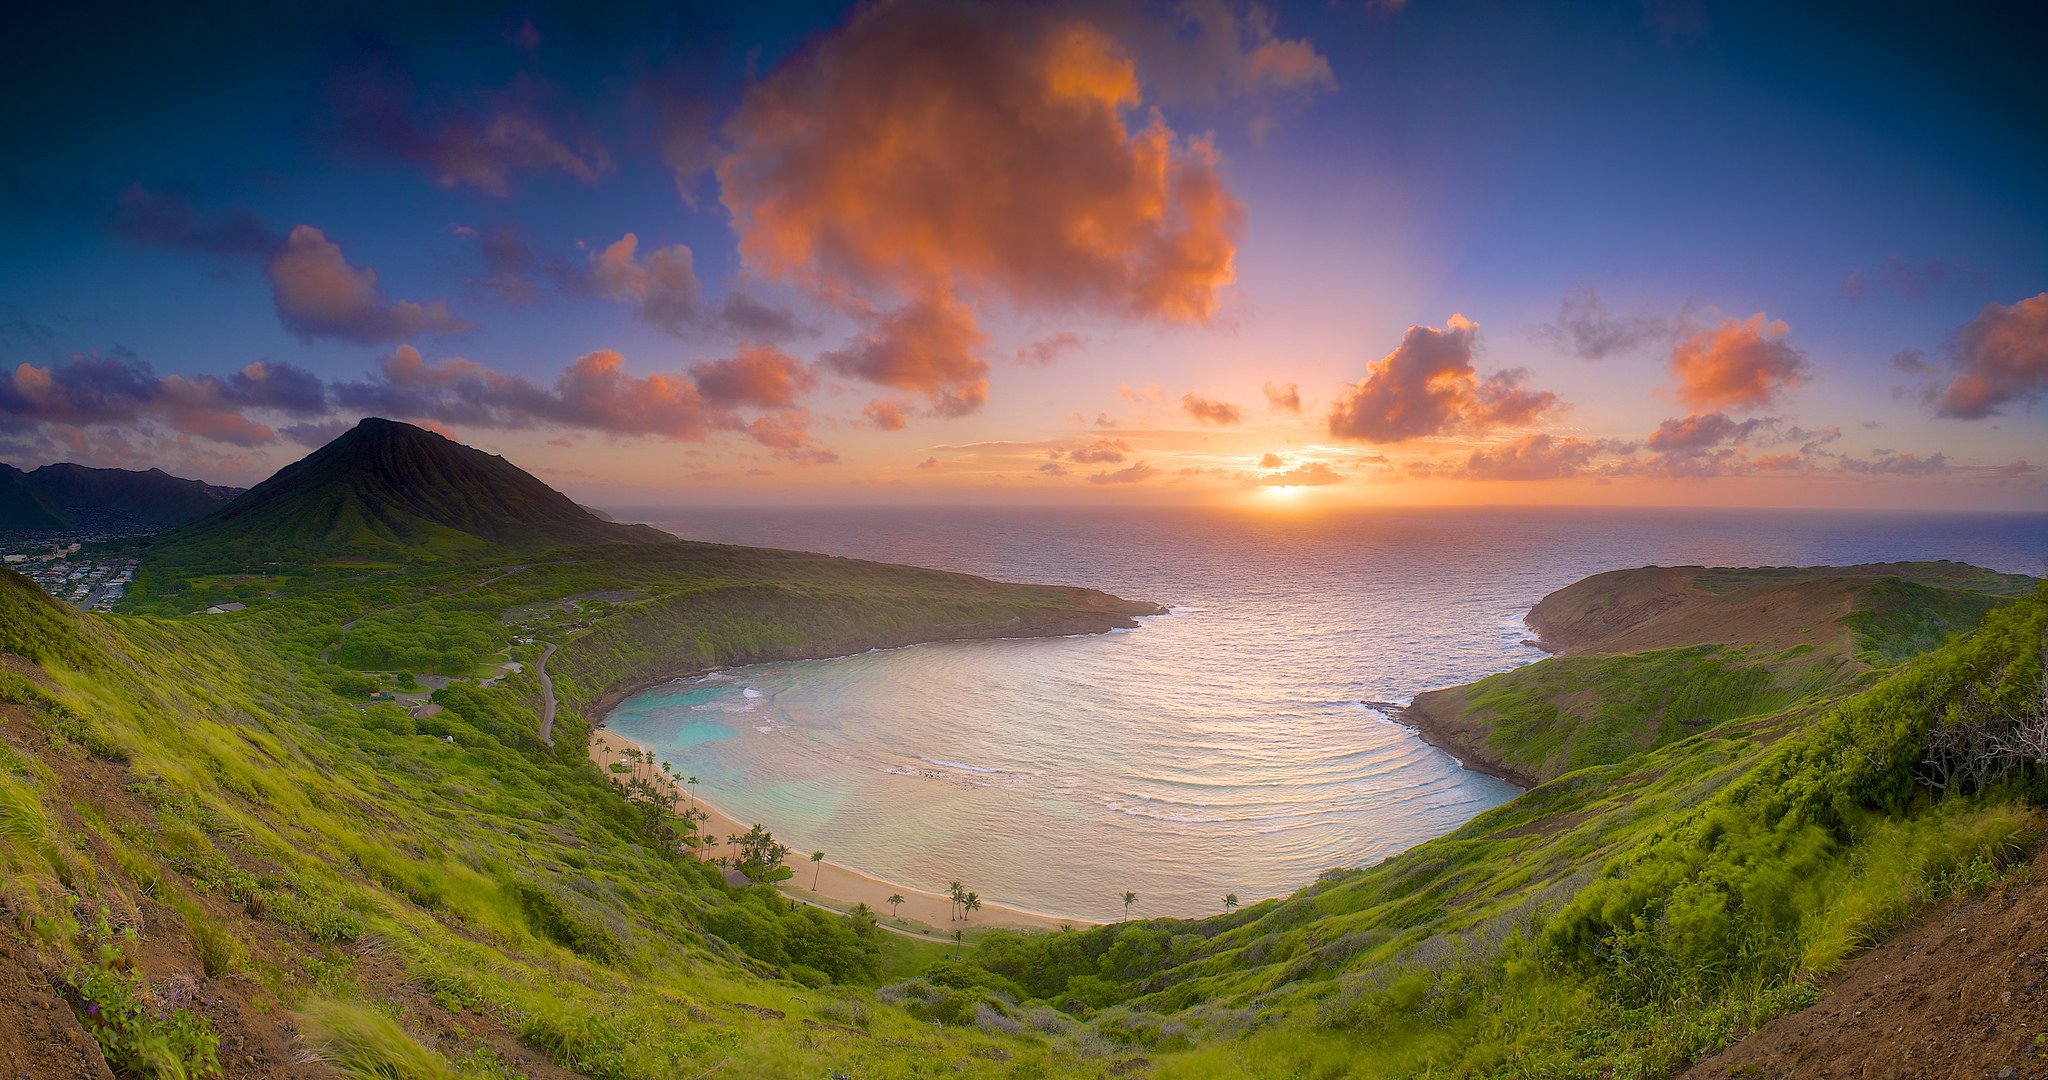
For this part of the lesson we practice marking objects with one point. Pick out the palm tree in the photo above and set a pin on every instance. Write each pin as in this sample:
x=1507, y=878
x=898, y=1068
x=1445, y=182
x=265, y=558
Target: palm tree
x=817, y=867
x=693, y=790
x=958, y=934
x=971, y=902
x=958, y=892
x=1129, y=899
x=1230, y=902
x=895, y=903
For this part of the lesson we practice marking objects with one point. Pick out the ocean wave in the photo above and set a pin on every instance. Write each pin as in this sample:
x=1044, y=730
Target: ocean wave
x=750, y=692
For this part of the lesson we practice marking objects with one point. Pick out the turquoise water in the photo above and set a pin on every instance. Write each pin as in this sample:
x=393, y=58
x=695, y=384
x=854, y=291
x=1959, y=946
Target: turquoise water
x=1222, y=748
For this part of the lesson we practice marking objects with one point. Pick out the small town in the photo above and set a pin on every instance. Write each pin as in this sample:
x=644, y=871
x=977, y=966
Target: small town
x=90, y=583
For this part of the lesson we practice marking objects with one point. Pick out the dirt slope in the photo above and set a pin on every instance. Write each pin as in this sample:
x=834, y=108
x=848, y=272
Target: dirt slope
x=1961, y=991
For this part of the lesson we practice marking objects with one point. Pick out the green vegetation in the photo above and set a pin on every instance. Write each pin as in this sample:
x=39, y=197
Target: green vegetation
x=386, y=490
x=207, y=828
x=1621, y=920
x=1753, y=643
x=140, y=1031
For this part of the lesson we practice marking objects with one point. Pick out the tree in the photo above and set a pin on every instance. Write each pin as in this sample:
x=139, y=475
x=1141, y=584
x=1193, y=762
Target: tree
x=693, y=790
x=957, y=892
x=1230, y=901
x=1129, y=899
x=970, y=903
x=817, y=867
x=958, y=934
x=758, y=852
x=895, y=905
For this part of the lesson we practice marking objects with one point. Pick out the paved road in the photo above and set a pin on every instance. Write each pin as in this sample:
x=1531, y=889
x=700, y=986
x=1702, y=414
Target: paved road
x=547, y=693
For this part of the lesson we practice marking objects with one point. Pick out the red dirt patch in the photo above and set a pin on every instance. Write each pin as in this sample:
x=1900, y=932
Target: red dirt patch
x=1962, y=991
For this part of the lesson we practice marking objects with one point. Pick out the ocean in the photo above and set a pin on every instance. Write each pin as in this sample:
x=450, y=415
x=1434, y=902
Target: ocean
x=1224, y=748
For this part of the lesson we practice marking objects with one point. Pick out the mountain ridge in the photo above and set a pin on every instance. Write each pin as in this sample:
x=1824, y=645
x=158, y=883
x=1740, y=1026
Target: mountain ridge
x=64, y=495
x=390, y=489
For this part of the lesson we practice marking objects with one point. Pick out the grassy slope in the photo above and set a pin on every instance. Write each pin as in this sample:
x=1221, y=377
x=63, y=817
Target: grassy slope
x=1619, y=920
x=196, y=781
x=1650, y=656
x=287, y=851
x=386, y=489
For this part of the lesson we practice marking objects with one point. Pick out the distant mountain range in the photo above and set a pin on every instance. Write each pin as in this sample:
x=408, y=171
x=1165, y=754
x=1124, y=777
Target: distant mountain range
x=387, y=490
x=65, y=496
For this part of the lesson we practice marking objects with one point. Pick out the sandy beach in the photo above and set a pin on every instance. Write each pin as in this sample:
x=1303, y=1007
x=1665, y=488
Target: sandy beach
x=840, y=887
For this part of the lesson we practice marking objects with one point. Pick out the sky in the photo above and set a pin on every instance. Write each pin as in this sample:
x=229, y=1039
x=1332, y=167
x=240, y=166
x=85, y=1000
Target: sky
x=1387, y=253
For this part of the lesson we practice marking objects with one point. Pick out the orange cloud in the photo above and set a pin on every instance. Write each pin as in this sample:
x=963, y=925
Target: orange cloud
x=1739, y=363
x=1221, y=413
x=1307, y=474
x=927, y=347
x=595, y=393
x=944, y=156
x=759, y=376
x=663, y=289
x=318, y=294
x=2001, y=360
x=1100, y=452
x=1428, y=386
x=1285, y=398
x=1135, y=474
x=886, y=415
x=1535, y=456
x=1046, y=350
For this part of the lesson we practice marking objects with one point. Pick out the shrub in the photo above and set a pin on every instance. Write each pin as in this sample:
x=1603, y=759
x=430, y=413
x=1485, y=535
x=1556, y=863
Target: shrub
x=137, y=1031
x=356, y=1040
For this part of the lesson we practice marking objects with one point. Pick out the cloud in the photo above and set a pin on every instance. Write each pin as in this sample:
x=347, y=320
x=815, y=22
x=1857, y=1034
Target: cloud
x=1211, y=412
x=318, y=294
x=1053, y=468
x=1100, y=452
x=168, y=220
x=1428, y=386
x=1535, y=456
x=1585, y=328
x=928, y=348
x=1307, y=474
x=595, y=394
x=513, y=272
x=663, y=289
x=315, y=433
x=760, y=376
x=2001, y=360
x=931, y=463
x=478, y=143
x=1210, y=51
x=1135, y=474
x=938, y=158
x=1715, y=444
x=887, y=415
x=1283, y=398
x=1910, y=282
x=1897, y=465
x=1046, y=350
x=1738, y=363
x=1272, y=461
x=88, y=389
x=1912, y=362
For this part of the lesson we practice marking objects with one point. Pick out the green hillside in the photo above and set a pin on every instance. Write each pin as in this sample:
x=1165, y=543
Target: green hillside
x=24, y=508
x=1648, y=657
x=386, y=490
x=1620, y=920
x=151, y=499
x=220, y=856
x=198, y=815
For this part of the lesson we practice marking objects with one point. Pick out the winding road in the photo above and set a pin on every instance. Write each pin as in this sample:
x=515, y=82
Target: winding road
x=547, y=693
